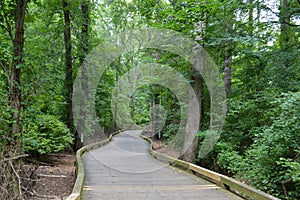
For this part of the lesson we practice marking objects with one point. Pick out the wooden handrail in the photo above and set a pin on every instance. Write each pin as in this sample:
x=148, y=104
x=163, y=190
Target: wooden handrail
x=76, y=192
x=223, y=181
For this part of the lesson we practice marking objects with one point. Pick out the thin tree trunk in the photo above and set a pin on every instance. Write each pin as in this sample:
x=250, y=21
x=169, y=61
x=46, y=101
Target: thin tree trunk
x=251, y=20
x=68, y=65
x=288, y=44
x=17, y=62
x=117, y=92
x=227, y=72
x=133, y=82
x=286, y=36
x=228, y=25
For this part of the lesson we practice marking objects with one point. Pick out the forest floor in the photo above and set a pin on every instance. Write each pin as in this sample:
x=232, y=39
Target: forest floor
x=160, y=147
x=51, y=177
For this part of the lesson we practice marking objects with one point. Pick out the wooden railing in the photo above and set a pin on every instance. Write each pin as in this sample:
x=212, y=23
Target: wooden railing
x=76, y=192
x=225, y=182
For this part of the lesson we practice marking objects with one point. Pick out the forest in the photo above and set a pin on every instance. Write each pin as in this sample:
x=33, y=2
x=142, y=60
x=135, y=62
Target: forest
x=255, y=45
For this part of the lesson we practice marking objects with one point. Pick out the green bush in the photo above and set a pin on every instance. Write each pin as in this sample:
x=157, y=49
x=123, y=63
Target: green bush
x=46, y=134
x=270, y=158
x=223, y=158
x=229, y=160
x=274, y=159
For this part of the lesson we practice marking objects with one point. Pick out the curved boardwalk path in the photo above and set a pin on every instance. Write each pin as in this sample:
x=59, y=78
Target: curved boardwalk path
x=124, y=169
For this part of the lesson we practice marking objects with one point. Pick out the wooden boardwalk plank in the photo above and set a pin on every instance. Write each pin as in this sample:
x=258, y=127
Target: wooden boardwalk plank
x=124, y=169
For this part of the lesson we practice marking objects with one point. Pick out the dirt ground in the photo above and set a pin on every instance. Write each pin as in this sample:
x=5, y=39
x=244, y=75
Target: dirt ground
x=160, y=147
x=51, y=177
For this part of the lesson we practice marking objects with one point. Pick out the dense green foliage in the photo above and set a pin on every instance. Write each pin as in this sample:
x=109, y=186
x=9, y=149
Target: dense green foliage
x=46, y=134
x=258, y=40
x=268, y=155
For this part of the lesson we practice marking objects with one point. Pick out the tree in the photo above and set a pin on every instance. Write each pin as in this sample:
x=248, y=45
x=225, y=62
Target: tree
x=68, y=65
x=17, y=63
x=84, y=50
x=14, y=12
x=192, y=126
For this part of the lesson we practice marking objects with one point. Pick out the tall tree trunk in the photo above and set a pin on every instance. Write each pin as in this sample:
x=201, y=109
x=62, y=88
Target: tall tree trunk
x=85, y=28
x=191, y=142
x=17, y=62
x=15, y=97
x=192, y=126
x=84, y=77
x=228, y=26
x=155, y=100
x=288, y=44
x=68, y=65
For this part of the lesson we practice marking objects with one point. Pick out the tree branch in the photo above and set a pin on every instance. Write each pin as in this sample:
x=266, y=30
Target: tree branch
x=264, y=7
x=288, y=23
x=4, y=69
x=34, y=193
x=293, y=25
x=14, y=158
x=293, y=12
x=17, y=175
x=51, y=176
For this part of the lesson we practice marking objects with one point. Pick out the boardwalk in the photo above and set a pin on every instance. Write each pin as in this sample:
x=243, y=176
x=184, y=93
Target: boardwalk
x=124, y=169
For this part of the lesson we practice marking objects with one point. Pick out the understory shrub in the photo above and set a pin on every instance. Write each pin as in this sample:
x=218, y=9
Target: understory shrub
x=46, y=134
x=273, y=161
